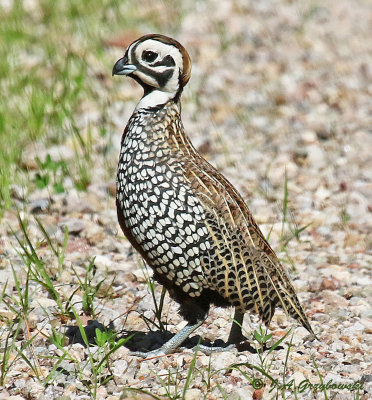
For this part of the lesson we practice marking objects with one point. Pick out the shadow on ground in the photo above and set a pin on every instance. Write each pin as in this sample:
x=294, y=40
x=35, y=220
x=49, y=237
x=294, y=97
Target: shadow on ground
x=146, y=341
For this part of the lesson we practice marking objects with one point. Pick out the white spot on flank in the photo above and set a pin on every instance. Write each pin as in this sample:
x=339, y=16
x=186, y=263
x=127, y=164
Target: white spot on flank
x=202, y=231
x=190, y=253
x=179, y=220
x=176, y=250
x=172, y=230
x=171, y=213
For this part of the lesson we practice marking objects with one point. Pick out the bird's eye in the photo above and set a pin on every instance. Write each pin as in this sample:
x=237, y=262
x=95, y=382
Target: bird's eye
x=149, y=56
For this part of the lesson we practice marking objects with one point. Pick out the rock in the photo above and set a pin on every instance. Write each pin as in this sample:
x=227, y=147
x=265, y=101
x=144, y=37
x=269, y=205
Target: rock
x=39, y=206
x=103, y=262
x=17, y=192
x=132, y=395
x=298, y=377
x=7, y=314
x=356, y=328
x=74, y=225
x=35, y=389
x=111, y=188
x=300, y=336
x=316, y=156
x=4, y=264
x=367, y=323
x=101, y=393
x=121, y=353
x=330, y=284
x=78, y=245
x=331, y=298
x=17, y=397
x=258, y=394
x=119, y=367
x=139, y=275
x=78, y=352
x=242, y=393
x=193, y=394
x=223, y=360
x=43, y=302
x=308, y=137
x=94, y=234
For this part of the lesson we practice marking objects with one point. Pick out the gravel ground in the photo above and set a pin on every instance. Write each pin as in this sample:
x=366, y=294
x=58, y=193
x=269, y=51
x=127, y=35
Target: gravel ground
x=277, y=88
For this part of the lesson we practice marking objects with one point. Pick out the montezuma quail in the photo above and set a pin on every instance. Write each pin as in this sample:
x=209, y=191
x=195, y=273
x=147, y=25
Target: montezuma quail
x=186, y=220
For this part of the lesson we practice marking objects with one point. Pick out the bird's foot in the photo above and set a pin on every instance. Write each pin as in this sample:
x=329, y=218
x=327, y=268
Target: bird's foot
x=149, y=354
x=172, y=344
x=208, y=350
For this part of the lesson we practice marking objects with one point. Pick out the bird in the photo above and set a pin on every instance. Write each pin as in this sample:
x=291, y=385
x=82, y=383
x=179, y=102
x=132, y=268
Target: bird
x=185, y=219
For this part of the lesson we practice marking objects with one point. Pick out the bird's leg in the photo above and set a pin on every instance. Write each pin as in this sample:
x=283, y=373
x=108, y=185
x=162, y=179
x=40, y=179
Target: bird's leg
x=172, y=344
x=236, y=335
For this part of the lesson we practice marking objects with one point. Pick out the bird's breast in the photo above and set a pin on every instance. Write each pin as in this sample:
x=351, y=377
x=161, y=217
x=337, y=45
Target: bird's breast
x=164, y=216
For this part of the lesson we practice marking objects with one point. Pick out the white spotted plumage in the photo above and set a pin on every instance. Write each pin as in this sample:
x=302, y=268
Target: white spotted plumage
x=158, y=206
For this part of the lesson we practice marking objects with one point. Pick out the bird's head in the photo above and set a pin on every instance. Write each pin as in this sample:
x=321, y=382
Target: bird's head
x=160, y=64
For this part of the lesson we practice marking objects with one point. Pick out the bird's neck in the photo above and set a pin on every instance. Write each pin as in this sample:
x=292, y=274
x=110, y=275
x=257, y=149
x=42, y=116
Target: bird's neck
x=162, y=124
x=159, y=116
x=154, y=123
x=155, y=100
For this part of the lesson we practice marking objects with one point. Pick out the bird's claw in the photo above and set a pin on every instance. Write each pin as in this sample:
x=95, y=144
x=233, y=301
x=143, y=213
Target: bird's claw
x=214, y=349
x=208, y=350
x=148, y=354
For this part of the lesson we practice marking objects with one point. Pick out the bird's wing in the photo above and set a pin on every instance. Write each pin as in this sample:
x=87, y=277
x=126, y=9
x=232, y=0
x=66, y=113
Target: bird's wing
x=247, y=271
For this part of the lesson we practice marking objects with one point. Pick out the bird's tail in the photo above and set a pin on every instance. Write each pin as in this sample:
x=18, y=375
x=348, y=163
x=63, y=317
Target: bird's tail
x=283, y=294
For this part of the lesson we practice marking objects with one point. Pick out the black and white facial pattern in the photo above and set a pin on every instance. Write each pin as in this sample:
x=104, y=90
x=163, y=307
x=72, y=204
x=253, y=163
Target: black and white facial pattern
x=159, y=66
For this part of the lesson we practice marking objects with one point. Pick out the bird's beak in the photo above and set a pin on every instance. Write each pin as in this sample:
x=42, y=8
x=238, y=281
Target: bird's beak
x=122, y=67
